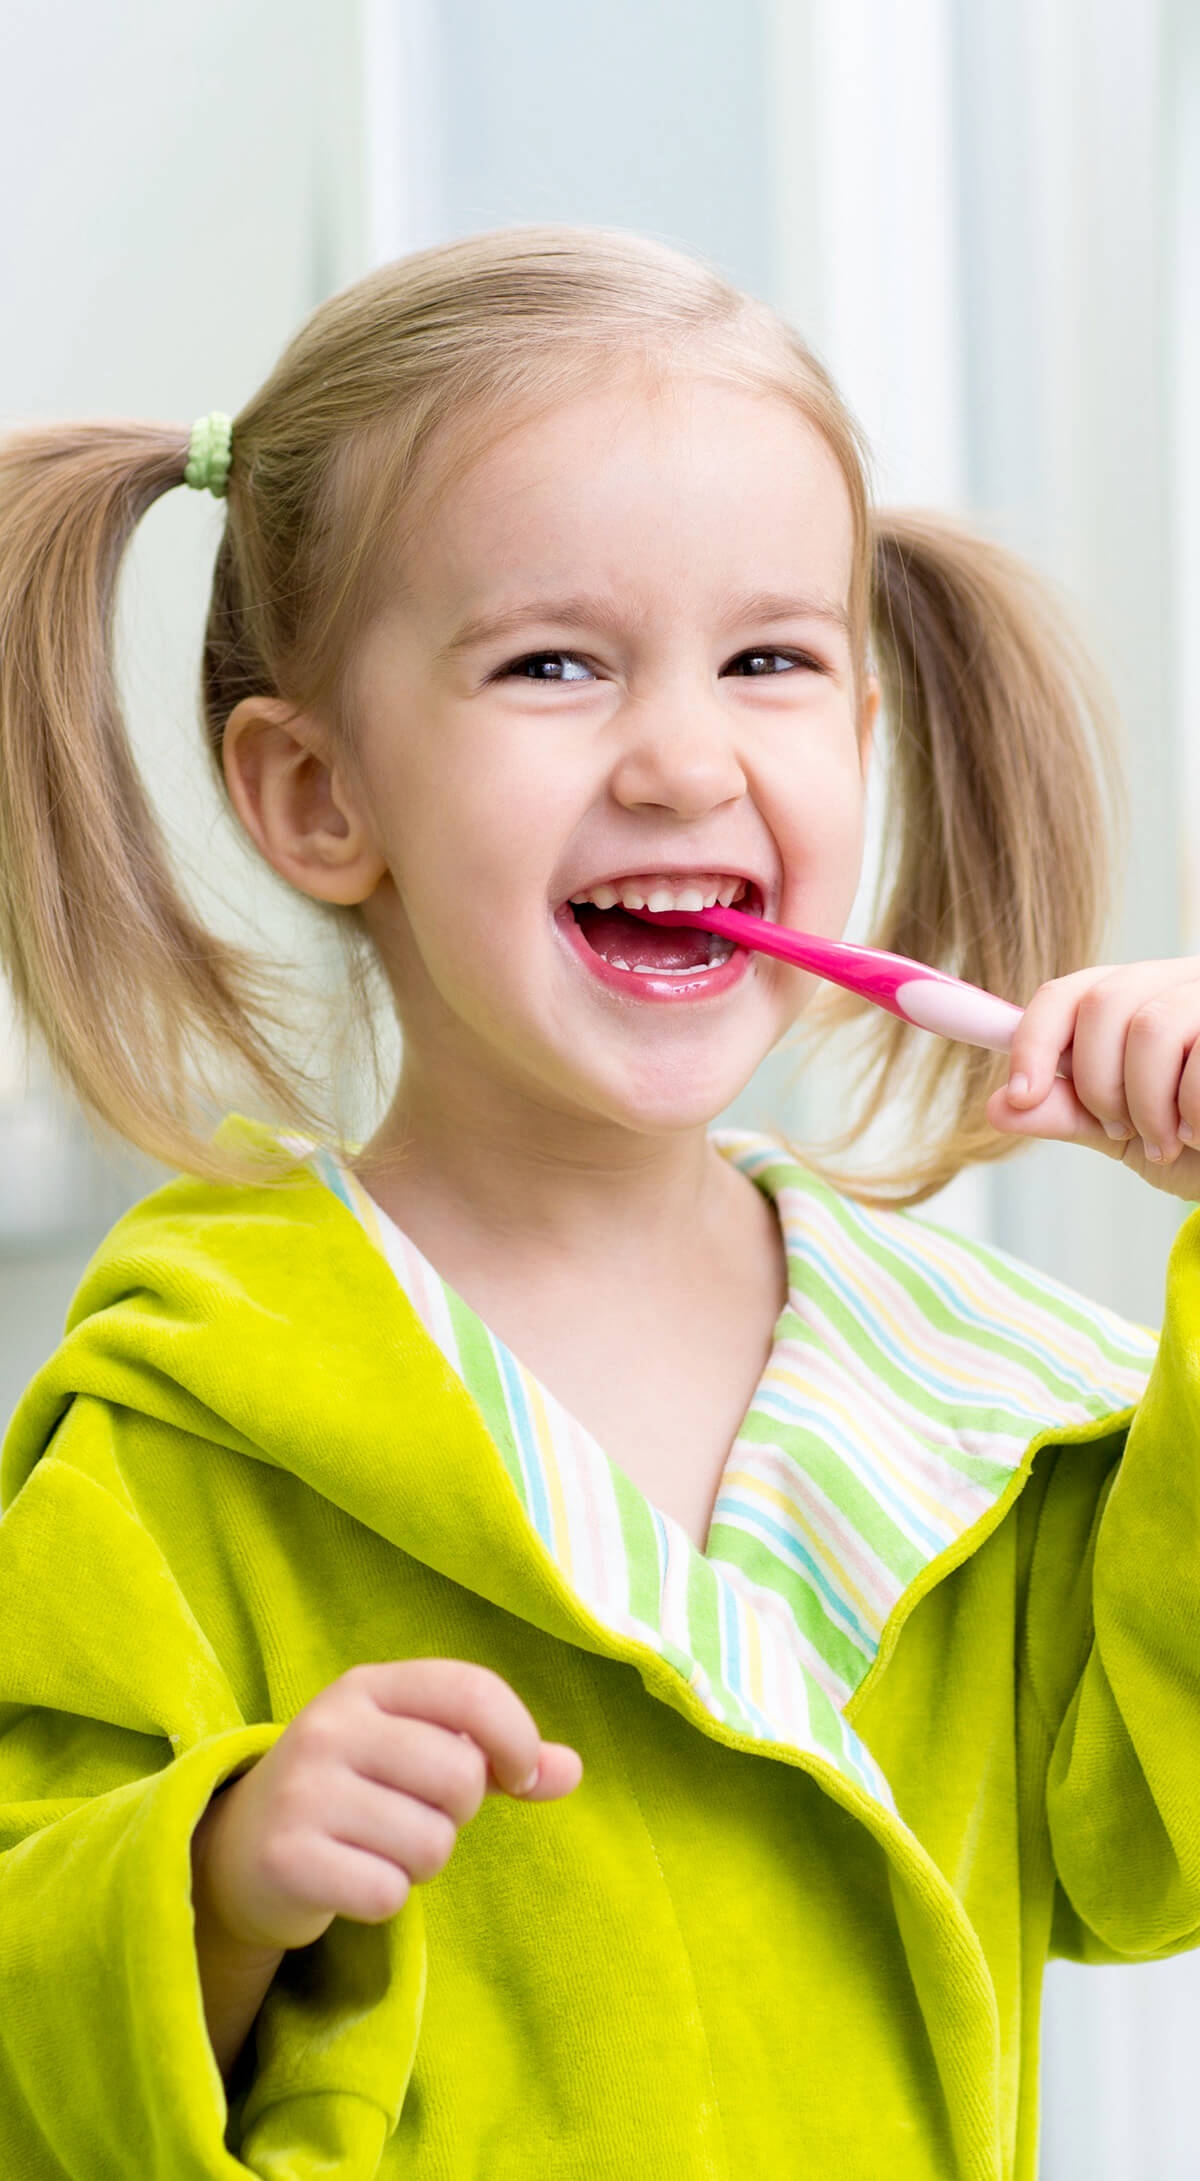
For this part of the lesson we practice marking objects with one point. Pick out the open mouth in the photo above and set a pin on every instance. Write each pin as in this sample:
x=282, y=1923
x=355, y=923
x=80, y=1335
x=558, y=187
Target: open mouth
x=631, y=945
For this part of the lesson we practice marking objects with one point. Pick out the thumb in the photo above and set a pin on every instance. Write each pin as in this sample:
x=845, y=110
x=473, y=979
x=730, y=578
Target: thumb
x=1060, y=1118
x=560, y=1769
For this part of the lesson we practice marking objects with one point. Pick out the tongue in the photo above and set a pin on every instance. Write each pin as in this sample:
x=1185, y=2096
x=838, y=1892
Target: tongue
x=610, y=933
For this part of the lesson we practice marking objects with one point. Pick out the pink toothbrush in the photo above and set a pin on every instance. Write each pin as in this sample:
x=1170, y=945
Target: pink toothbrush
x=926, y=997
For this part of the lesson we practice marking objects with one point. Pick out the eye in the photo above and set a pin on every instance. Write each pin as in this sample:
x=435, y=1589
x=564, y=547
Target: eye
x=768, y=661
x=547, y=666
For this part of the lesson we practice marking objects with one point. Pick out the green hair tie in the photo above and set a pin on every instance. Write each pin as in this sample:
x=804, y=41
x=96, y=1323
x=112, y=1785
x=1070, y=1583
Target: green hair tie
x=209, y=453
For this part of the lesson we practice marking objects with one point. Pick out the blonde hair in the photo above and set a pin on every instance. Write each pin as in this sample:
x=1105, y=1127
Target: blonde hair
x=997, y=866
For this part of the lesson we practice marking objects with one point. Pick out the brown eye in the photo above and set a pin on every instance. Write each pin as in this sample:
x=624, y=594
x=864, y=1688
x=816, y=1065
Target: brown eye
x=548, y=666
x=757, y=663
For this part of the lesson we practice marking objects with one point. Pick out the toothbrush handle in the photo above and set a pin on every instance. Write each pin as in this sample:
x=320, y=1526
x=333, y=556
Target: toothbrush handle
x=957, y=1010
x=926, y=997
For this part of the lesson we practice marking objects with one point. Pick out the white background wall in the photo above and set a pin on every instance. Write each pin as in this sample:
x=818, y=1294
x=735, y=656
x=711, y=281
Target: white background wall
x=988, y=215
x=983, y=212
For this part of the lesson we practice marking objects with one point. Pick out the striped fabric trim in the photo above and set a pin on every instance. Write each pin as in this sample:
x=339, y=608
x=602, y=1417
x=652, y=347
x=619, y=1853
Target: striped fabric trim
x=909, y=1372
x=911, y=1368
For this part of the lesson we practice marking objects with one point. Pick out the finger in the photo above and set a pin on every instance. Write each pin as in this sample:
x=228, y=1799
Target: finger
x=471, y=1699
x=1189, y=1097
x=412, y=1756
x=332, y=1876
x=559, y=1770
x=559, y=1773
x=1148, y=993
x=400, y=1827
x=1042, y=1035
x=1098, y=1049
x=1061, y=1119
x=1158, y=1045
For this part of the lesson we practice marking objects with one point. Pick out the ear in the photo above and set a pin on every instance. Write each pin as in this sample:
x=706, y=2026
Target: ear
x=297, y=802
x=868, y=718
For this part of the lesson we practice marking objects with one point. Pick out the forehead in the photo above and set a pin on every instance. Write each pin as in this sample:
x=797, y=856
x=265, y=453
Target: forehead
x=684, y=485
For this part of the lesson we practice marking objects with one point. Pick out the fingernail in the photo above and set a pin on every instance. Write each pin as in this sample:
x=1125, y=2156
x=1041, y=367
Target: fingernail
x=527, y=1786
x=1118, y=1131
x=1019, y=1086
x=1187, y=1135
x=1152, y=1152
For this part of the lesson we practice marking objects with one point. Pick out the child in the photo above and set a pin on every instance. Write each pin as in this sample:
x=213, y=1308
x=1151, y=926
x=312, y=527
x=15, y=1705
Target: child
x=827, y=1583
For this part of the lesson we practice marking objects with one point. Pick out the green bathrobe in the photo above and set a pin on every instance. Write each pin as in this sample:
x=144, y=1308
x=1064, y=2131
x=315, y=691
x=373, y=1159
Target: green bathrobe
x=247, y=1468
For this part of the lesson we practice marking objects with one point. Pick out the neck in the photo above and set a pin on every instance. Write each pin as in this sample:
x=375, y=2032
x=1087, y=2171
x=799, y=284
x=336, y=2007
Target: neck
x=538, y=1184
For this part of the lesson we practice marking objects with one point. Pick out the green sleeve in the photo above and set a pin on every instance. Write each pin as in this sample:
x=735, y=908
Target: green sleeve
x=1113, y=1647
x=117, y=1722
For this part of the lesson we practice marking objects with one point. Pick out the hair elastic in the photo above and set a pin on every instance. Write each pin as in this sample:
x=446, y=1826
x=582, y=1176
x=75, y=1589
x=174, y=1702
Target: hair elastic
x=209, y=453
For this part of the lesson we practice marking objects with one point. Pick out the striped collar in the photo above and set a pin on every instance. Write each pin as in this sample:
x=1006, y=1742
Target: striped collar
x=910, y=1372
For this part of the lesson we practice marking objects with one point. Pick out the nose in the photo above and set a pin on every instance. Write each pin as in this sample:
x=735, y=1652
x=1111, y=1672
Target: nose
x=677, y=757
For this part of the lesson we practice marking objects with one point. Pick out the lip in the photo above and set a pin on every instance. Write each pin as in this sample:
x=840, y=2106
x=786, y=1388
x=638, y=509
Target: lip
x=707, y=984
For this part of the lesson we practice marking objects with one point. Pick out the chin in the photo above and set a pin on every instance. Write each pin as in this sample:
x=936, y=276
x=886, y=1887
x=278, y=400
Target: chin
x=674, y=1108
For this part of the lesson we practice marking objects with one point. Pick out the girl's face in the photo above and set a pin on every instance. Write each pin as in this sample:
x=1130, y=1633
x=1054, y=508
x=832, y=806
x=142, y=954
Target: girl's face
x=621, y=657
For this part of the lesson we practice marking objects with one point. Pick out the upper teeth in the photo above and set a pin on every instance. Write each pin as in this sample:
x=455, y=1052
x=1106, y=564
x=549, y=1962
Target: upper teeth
x=660, y=894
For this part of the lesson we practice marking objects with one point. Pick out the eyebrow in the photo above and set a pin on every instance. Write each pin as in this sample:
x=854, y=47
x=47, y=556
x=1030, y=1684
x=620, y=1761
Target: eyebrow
x=605, y=613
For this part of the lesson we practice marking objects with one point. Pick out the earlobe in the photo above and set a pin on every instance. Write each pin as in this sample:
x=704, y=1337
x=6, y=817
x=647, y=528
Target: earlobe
x=295, y=802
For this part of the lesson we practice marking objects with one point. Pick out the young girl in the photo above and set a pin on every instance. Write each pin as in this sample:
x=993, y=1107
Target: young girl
x=558, y=1642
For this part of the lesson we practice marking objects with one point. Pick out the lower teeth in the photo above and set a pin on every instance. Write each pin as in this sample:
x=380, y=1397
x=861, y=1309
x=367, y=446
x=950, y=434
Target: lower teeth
x=719, y=953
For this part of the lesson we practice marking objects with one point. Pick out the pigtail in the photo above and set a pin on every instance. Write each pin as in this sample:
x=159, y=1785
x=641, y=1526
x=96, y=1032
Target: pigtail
x=1003, y=796
x=129, y=995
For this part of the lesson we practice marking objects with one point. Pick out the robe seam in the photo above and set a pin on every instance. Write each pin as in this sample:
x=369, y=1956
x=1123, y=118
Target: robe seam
x=725, y=2171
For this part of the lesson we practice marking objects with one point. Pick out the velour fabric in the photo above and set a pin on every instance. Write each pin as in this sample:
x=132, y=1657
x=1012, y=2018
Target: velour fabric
x=247, y=1468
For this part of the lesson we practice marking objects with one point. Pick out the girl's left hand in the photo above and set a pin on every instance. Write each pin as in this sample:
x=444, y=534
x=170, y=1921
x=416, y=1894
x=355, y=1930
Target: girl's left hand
x=1134, y=1038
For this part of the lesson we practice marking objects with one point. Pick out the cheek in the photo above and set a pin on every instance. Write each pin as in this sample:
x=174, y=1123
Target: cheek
x=824, y=814
x=475, y=850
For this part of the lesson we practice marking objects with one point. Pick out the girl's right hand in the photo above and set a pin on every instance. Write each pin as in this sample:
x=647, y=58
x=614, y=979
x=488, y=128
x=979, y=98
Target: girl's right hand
x=363, y=1795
